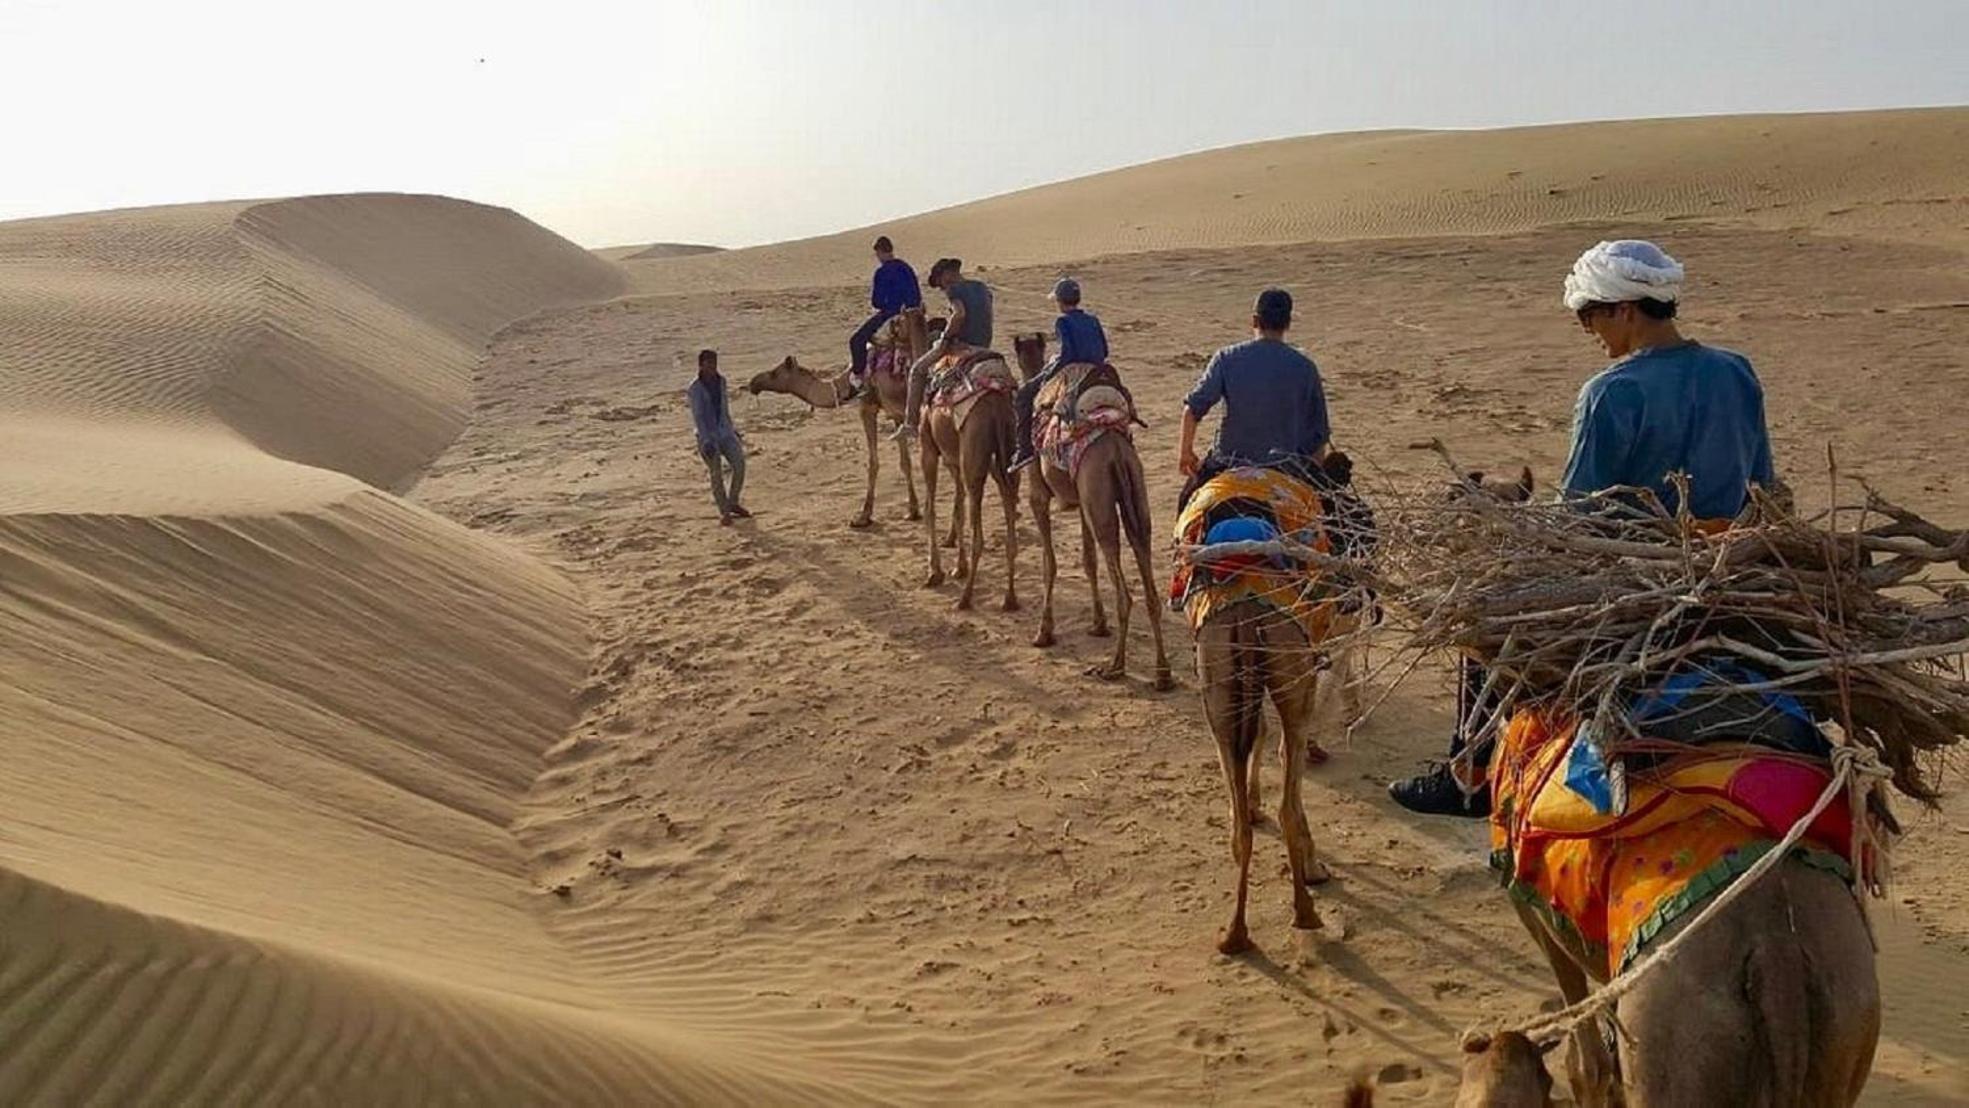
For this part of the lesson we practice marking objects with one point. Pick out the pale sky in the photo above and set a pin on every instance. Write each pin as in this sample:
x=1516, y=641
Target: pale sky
x=743, y=121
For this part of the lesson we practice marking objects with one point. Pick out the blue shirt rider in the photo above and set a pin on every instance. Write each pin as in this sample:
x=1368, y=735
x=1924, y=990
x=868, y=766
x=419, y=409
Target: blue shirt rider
x=892, y=291
x=1081, y=340
x=1666, y=405
x=1274, y=402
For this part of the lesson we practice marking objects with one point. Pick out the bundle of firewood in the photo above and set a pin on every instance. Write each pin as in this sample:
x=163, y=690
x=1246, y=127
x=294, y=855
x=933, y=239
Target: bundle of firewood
x=1859, y=611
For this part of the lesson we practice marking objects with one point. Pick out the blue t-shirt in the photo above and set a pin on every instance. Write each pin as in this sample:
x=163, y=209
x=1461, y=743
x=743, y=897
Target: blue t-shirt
x=1081, y=338
x=1274, y=404
x=1679, y=409
x=895, y=287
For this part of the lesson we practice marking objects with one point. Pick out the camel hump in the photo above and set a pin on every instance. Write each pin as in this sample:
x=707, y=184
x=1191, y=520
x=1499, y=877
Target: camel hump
x=1083, y=388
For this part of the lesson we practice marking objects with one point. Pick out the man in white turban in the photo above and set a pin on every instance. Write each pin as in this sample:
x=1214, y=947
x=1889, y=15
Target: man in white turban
x=1666, y=405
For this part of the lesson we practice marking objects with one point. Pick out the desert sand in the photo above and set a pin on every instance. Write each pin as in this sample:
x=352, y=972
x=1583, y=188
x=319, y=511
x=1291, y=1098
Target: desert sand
x=388, y=719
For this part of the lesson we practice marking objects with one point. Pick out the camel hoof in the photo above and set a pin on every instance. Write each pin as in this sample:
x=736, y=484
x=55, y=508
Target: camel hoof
x=1233, y=943
x=963, y=604
x=1043, y=640
x=914, y=516
x=1316, y=754
x=1100, y=631
x=933, y=580
x=948, y=544
x=1107, y=673
x=861, y=523
x=1317, y=874
x=1011, y=604
x=1164, y=682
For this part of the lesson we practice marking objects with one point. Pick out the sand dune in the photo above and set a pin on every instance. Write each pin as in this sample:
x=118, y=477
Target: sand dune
x=266, y=724
x=1881, y=172
x=388, y=721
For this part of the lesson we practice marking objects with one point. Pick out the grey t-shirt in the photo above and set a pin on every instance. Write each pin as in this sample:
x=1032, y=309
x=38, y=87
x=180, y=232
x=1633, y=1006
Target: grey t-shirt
x=976, y=298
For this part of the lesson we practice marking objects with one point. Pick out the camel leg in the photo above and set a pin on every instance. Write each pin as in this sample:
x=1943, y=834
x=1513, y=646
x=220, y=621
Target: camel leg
x=971, y=552
x=1254, y=808
x=1008, y=498
x=930, y=464
x=1294, y=685
x=1107, y=533
x=1223, y=704
x=1041, y=503
x=868, y=428
x=909, y=482
x=1090, y=566
x=1164, y=679
x=1590, y=1066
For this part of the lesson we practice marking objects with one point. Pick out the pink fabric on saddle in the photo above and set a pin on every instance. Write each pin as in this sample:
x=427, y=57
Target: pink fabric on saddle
x=1779, y=793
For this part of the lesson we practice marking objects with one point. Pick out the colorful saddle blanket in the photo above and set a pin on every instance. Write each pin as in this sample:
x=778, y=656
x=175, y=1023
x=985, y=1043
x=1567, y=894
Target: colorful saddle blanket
x=1258, y=504
x=960, y=380
x=1614, y=878
x=1081, y=403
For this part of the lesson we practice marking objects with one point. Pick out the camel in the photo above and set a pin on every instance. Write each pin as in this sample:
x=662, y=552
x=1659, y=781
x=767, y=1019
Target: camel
x=982, y=448
x=1775, y=1001
x=1111, y=496
x=885, y=394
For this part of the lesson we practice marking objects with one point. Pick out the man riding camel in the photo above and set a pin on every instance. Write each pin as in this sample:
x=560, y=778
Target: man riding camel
x=969, y=330
x=1081, y=340
x=892, y=291
x=1274, y=404
x=1667, y=405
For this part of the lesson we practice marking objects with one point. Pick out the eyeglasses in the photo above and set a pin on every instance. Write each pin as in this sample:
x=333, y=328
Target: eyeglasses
x=1586, y=313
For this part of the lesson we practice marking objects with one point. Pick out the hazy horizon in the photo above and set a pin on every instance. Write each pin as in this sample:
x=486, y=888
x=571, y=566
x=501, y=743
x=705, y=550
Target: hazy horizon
x=759, y=122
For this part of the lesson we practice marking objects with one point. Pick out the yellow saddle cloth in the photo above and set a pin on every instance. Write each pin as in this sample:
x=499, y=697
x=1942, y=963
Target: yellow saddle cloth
x=1293, y=588
x=1689, y=828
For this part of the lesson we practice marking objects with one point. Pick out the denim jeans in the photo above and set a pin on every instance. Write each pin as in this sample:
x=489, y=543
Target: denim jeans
x=858, y=342
x=719, y=456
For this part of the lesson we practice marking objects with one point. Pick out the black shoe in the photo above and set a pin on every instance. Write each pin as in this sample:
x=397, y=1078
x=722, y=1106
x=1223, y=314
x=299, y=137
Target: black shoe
x=1436, y=793
x=1021, y=461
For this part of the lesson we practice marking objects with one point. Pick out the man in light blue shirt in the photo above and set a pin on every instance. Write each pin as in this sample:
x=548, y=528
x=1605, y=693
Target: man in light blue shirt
x=717, y=439
x=1667, y=405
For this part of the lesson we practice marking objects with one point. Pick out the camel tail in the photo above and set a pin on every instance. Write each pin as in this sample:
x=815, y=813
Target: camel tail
x=1133, y=501
x=1247, y=686
x=1785, y=1014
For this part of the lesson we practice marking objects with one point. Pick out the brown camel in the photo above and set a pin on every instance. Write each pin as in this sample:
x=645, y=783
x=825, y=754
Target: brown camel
x=1111, y=495
x=982, y=448
x=1773, y=1002
x=885, y=394
x=1246, y=652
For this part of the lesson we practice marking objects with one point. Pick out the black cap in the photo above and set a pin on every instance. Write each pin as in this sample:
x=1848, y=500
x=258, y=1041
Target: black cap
x=1273, y=309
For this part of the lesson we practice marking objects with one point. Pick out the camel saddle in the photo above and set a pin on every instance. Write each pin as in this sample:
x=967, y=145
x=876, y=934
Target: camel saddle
x=1254, y=503
x=960, y=380
x=1075, y=408
x=1616, y=875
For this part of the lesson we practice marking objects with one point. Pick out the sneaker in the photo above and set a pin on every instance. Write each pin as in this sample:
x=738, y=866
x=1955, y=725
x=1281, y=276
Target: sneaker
x=740, y=513
x=1020, y=462
x=904, y=433
x=1436, y=793
x=854, y=390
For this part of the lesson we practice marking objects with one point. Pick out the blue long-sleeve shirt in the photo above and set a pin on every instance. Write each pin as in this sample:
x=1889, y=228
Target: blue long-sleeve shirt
x=1274, y=403
x=1081, y=338
x=895, y=287
x=711, y=414
x=1680, y=409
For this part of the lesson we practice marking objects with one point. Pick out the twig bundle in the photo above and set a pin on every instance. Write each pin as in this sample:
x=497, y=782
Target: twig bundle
x=1601, y=599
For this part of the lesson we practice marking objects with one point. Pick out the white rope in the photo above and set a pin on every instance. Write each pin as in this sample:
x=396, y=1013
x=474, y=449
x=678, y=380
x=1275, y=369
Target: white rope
x=1853, y=767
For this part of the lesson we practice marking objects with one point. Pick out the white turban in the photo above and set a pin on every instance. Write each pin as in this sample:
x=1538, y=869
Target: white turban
x=1616, y=272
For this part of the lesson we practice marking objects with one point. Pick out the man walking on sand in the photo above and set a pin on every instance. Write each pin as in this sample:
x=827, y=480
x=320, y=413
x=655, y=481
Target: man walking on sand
x=892, y=291
x=717, y=439
x=969, y=329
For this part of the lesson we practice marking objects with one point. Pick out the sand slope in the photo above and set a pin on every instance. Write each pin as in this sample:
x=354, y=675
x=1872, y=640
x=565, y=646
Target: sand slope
x=267, y=725
x=1876, y=171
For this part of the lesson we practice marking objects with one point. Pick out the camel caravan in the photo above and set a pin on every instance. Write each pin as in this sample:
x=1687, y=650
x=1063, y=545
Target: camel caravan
x=1681, y=704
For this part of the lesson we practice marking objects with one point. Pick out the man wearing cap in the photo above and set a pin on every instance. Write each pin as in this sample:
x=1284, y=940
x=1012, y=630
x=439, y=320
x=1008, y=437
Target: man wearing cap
x=1274, y=404
x=1666, y=405
x=969, y=329
x=1081, y=340
x=893, y=290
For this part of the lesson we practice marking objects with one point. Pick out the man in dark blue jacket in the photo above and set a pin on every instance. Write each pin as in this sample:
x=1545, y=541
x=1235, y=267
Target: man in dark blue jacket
x=893, y=289
x=1081, y=341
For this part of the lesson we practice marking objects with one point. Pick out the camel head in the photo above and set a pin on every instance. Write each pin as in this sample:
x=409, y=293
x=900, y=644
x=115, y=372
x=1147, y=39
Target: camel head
x=780, y=378
x=1506, y=1070
x=1031, y=350
x=1475, y=483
